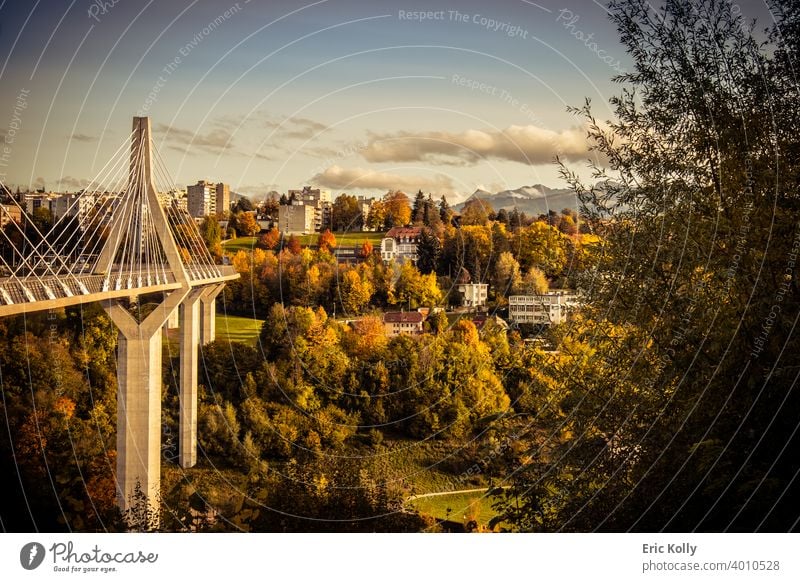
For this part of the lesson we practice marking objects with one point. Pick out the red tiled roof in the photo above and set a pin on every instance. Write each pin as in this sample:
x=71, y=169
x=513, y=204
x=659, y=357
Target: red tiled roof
x=403, y=317
x=404, y=231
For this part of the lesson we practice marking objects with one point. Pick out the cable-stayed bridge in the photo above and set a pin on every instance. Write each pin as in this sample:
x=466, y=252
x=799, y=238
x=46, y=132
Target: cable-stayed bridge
x=120, y=239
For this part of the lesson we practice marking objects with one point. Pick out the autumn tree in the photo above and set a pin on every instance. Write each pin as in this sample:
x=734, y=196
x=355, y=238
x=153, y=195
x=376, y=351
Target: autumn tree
x=680, y=398
x=475, y=212
x=270, y=239
x=326, y=241
x=507, y=275
x=355, y=292
x=244, y=223
x=542, y=246
x=377, y=215
x=365, y=251
x=398, y=209
x=414, y=289
x=293, y=245
x=532, y=283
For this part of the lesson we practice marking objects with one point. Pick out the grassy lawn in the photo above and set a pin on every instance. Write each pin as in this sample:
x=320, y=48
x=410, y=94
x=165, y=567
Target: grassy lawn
x=348, y=239
x=462, y=506
x=244, y=243
x=420, y=463
x=233, y=328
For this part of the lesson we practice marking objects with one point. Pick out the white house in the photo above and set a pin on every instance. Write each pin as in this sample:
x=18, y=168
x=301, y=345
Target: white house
x=474, y=294
x=401, y=243
x=546, y=309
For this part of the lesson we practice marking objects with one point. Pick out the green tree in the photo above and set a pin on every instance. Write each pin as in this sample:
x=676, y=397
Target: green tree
x=418, y=210
x=429, y=250
x=445, y=212
x=243, y=204
x=346, y=214
x=211, y=232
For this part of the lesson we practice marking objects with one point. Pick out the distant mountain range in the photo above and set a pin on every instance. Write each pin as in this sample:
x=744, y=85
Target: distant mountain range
x=533, y=200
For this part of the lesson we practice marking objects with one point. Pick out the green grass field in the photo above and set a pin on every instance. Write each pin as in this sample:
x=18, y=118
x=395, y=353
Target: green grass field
x=232, y=328
x=462, y=507
x=244, y=243
x=348, y=239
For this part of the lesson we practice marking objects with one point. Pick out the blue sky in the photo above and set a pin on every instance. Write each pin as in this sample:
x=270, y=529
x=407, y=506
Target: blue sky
x=358, y=97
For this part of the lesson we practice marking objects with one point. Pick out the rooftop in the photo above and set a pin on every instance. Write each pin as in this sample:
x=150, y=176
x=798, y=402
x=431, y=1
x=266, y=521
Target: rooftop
x=403, y=317
x=404, y=232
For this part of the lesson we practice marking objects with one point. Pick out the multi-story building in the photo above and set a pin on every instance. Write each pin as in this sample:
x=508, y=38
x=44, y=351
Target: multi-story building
x=401, y=243
x=35, y=200
x=403, y=323
x=173, y=199
x=547, y=309
x=223, y=192
x=319, y=200
x=297, y=218
x=364, y=206
x=60, y=205
x=201, y=199
x=474, y=294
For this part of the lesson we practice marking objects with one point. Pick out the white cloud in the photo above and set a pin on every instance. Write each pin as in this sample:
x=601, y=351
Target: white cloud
x=527, y=144
x=72, y=183
x=360, y=178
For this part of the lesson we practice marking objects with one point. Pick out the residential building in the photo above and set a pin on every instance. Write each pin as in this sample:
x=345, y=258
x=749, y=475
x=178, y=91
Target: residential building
x=401, y=243
x=319, y=200
x=10, y=213
x=309, y=194
x=364, y=206
x=223, y=201
x=547, y=309
x=403, y=323
x=60, y=205
x=35, y=200
x=474, y=294
x=297, y=218
x=201, y=199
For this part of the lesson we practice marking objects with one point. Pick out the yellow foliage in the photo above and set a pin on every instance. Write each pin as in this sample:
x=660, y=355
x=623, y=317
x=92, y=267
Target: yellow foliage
x=241, y=262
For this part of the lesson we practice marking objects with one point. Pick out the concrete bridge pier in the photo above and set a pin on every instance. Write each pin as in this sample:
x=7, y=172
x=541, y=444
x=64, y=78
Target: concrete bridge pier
x=208, y=330
x=139, y=400
x=189, y=323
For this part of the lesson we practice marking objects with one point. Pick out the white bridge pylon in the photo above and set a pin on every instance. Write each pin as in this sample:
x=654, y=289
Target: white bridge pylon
x=116, y=242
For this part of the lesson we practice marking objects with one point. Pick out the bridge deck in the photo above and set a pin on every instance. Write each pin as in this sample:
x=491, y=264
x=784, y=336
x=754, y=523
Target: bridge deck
x=50, y=292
